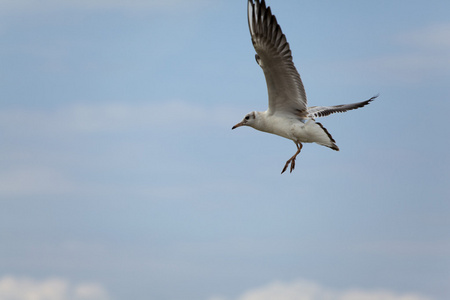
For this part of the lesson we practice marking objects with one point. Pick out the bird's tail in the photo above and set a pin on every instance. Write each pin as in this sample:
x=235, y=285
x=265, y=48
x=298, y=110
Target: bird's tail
x=320, y=135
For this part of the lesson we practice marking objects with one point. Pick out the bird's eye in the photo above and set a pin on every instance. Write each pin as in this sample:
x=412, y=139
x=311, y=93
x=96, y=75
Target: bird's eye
x=247, y=117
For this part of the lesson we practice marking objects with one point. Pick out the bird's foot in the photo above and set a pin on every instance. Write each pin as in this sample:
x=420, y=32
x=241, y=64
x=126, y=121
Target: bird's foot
x=291, y=161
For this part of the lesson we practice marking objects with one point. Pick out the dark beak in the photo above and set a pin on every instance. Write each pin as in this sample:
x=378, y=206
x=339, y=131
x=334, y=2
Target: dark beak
x=237, y=125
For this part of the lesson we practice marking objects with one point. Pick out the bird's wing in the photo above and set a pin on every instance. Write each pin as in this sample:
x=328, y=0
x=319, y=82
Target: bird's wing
x=323, y=111
x=285, y=88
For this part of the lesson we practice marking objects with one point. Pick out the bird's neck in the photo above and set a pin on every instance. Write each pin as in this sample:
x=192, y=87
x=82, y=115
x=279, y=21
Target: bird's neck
x=260, y=121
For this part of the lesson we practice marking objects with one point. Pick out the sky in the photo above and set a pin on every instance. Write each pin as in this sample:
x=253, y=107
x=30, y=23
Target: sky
x=120, y=176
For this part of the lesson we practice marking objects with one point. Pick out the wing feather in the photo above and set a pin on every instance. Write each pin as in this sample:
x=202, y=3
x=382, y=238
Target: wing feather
x=285, y=88
x=323, y=111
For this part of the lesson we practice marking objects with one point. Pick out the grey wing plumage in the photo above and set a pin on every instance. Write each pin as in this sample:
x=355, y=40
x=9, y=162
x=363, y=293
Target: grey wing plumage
x=285, y=88
x=323, y=111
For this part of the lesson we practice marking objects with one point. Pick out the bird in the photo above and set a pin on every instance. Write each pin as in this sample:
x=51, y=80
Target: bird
x=287, y=115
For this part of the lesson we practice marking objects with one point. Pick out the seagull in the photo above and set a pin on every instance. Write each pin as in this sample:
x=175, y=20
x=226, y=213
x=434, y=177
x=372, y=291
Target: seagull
x=288, y=115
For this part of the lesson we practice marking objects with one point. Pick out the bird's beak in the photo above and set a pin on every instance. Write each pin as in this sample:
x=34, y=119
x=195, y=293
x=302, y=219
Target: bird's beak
x=237, y=125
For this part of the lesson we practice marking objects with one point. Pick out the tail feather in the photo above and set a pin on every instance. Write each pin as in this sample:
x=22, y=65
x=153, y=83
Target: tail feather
x=331, y=140
x=320, y=135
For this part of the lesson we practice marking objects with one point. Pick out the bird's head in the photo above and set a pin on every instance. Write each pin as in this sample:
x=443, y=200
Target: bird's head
x=249, y=120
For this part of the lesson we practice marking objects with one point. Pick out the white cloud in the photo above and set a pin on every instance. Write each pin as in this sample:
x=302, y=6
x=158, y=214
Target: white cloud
x=306, y=290
x=12, y=288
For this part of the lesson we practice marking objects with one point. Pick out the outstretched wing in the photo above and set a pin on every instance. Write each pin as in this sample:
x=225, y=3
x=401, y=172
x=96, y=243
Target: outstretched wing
x=285, y=88
x=323, y=111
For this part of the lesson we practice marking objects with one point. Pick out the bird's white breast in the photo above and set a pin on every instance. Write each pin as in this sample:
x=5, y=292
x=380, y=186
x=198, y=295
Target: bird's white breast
x=286, y=126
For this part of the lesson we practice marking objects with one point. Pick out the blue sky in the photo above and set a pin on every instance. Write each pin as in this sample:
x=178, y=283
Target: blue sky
x=120, y=177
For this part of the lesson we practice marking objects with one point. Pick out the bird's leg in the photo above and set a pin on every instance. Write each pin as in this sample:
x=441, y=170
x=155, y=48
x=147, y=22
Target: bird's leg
x=292, y=159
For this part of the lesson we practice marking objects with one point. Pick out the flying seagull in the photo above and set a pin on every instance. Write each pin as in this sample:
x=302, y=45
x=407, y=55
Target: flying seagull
x=288, y=115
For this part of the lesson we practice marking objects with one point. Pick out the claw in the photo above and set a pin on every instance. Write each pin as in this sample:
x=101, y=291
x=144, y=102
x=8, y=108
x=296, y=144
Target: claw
x=292, y=165
x=291, y=161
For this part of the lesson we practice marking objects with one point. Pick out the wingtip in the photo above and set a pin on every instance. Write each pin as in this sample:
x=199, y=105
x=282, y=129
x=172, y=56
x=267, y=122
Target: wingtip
x=374, y=97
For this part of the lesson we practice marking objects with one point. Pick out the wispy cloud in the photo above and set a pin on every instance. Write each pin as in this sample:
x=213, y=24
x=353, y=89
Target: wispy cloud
x=41, y=151
x=435, y=37
x=33, y=181
x=416, y=56
x=307, y=290
x=12, y=288
x=113, y=117
x=402, y=248
x=30, y=6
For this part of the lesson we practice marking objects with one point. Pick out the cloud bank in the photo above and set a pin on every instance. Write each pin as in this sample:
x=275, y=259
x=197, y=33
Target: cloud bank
x=12, y=288
x=306, y=290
